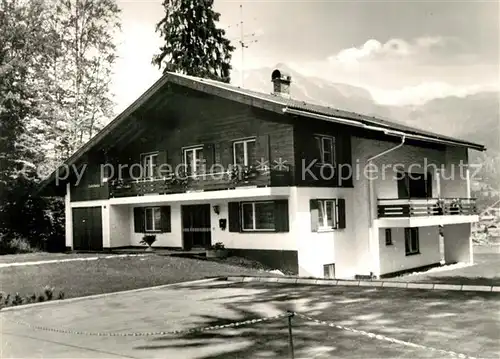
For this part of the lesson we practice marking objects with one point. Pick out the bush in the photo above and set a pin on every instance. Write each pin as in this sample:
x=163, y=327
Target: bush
x=15, y=245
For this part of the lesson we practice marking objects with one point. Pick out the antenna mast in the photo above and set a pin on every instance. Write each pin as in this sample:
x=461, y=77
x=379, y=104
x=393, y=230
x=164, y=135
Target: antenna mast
x=244, y=44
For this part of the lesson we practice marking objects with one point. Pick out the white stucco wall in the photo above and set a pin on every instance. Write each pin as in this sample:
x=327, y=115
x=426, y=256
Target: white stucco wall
x=315, y=249
x=393, y=257
x=171, y=239
x=458, y=243
x=119, y=219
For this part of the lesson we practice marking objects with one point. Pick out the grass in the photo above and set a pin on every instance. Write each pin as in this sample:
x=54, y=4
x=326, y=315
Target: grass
x=83, y=278
x=485, y=271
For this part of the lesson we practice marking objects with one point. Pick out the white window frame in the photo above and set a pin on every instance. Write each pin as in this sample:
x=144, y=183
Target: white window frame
x=408, y=240
x=153, y=227
x=245, y=150
x=323, y=208
x=331, y=150
x=194, y=150
x=151, y=169
x=253, y=229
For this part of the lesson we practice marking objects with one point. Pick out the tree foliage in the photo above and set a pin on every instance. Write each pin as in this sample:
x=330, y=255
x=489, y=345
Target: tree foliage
x=194, y=45
x=55, y=67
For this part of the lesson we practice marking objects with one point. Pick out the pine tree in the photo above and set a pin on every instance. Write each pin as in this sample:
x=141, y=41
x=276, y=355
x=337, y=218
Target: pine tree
x=193, y=43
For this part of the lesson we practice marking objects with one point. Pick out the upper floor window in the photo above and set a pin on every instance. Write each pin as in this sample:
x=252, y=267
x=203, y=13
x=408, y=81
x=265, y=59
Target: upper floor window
x=194, y=159
x=326, y=149
x=414, y=185
x=149, y=162
x=244, y=152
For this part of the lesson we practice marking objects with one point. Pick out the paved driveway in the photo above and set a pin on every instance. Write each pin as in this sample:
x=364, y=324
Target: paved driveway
x=463, y=322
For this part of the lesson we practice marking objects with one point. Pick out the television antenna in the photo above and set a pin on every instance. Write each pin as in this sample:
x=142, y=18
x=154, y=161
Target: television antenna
x=244, y=41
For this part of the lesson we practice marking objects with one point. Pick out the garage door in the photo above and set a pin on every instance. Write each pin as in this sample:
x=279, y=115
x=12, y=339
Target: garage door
x=87, y=229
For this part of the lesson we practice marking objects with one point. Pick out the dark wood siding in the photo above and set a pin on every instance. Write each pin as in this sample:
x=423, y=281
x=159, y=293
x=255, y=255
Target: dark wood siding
x=191, y=118
x=90, y=186
x=305, y=146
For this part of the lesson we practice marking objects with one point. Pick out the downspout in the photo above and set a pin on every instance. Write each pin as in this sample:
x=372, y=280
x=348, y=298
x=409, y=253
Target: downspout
x=371, y=191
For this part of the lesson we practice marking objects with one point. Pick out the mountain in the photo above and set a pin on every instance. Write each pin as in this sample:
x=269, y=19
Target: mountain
x=474, y=117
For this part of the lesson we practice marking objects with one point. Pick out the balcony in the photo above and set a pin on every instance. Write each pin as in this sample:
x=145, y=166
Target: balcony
x=205, y=182
x=426, y=212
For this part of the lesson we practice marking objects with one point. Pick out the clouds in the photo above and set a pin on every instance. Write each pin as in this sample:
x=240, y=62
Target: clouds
x=393, y=49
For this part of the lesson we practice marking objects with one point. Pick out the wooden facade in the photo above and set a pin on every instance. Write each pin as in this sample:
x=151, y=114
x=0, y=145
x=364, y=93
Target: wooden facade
x=184, y=118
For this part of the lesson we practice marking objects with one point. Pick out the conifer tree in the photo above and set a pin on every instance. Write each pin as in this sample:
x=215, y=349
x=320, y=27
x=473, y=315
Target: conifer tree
x=194, y=45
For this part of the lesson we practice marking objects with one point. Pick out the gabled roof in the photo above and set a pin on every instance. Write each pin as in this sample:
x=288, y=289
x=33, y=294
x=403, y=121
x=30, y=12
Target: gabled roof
x=267, y=101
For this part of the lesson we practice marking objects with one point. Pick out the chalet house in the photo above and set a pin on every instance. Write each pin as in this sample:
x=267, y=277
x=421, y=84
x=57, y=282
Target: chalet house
x=316, y=190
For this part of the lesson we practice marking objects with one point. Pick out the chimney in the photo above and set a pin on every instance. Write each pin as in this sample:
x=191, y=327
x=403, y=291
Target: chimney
x=281, y=83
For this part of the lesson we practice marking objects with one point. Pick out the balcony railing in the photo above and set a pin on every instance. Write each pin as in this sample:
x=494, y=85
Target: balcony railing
x=426, y=207
x=203, y=182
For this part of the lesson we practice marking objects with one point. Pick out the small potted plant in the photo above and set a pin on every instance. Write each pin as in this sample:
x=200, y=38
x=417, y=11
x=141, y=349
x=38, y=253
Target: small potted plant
x=455, y=206
x=439, y=207
x=217, y=251
x=250, y=172
x=148, y=239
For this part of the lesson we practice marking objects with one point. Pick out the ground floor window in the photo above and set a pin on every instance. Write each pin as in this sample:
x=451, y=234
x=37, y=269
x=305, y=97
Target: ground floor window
x=258, y=216
x=152, y=219
x=412, y=245
x=388, y=237
x=327, y=214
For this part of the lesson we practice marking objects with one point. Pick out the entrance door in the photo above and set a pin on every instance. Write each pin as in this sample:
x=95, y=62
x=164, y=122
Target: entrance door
x=196, y=226
x=87, y=229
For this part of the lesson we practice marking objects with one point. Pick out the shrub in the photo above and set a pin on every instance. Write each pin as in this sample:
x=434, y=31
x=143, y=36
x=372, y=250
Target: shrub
x=218, y=245
x=15, y=245
x=49, y=292
x=148, y=239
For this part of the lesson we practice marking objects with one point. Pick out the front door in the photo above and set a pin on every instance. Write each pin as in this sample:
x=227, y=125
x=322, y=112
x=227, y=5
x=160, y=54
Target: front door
x=87, y=229
x=196, y=226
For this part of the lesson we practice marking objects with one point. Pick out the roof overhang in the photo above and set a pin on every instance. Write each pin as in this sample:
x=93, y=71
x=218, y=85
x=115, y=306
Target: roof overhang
x=275, y=104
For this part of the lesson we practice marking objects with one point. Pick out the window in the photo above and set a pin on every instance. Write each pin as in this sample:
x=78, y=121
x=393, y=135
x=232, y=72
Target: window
x=152, y=219
x=414, y=185
x=244, y=152
x=193, y=160
x=326, y=149
x=257, y=216
x=149, y=162
x=327, y=214
x=388, y=237
x=411, y=241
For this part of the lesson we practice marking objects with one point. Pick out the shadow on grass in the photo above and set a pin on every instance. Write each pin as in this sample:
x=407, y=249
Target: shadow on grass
x=439, y=319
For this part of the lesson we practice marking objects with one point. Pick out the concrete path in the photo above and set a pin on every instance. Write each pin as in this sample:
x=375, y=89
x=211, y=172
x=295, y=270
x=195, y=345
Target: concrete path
x=51, y=261
x=435, y=320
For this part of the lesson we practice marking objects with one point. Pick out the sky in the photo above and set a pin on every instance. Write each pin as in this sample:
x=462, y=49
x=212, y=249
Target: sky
x=403, y=52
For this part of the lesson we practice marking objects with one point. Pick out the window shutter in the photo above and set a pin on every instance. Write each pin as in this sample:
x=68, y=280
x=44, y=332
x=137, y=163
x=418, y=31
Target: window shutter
x=313, y=208
x=403, y=186
x=234, y=217
x=165, y=219
x=209, y=153
x=139, y=225
x=161, y=168
x=428, y=183
x=262, y=149
x=281, y=216
x=341, y=213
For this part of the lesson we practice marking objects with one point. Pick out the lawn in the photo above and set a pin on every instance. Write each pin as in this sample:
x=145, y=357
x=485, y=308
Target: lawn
x=44, y=256
x=485, y=271
x=105, y=275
